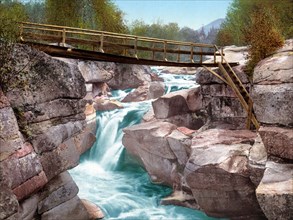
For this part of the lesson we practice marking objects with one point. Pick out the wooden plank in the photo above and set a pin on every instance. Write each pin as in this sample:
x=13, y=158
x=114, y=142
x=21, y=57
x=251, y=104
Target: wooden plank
x=93, y=55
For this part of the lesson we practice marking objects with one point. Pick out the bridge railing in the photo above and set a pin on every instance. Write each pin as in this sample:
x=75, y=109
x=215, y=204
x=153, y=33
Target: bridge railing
x=116, y=43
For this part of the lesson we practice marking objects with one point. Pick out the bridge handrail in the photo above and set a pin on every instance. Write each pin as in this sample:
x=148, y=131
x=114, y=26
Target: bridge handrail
x=150, y=39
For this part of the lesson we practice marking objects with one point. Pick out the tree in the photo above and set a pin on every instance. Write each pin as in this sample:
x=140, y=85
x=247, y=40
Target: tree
x=263, y=36
x=189, y=35
x=35, y=11
x=93, y=14
x=239, y=14
x=63, y=12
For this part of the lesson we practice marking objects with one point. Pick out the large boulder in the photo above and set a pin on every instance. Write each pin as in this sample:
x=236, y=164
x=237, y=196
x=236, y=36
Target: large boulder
x=95, y=72
x=148, y=142
x=275, y=192
x=156, y=90
x=275, y=69
x=177, y=103
x=138, y=95
x=150, y=91
x=47, y=79
x=273, y=90
x=60, y=189
x=273, y=103
x=218, y=174
x=71, y=209
x=129, y=76
x=278, y=141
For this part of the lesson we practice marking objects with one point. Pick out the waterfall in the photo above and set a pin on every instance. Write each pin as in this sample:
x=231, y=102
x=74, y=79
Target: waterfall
x=110, y=178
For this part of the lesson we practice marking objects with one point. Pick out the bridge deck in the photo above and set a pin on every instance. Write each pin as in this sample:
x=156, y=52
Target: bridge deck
x=115, y=47
x=75, y=53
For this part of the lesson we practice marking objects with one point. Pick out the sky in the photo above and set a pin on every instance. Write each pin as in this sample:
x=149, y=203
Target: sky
x=190, y=13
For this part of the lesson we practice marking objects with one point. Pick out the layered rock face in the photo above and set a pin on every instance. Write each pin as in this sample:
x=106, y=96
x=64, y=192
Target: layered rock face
x=193, y=141
x=103, y=77
x=220, y=102
x=217, y=175
x=214, y=170
x=273, y=94
x=43, y=133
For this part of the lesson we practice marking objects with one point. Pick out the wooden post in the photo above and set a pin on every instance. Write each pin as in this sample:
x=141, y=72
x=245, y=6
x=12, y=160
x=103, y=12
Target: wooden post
x=153, y=47
x=215, y=58
x=178, y=55
x=21, y=32
x=124, y=50
x=135, y=47
x=249, y=114
x=165, y=50
x=191, y=54
x=63, y=37
x=101, y=43
x=200, y=55
x=222, y=52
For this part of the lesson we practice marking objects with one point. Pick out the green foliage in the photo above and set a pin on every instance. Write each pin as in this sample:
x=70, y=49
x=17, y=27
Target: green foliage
x=239, y=18
x=263, y=36
x=35, y=11
x=10, y=11
x=261, y=24
x=94, y=14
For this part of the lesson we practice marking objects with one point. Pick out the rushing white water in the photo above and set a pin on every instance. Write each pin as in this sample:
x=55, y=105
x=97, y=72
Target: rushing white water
x=108, y=177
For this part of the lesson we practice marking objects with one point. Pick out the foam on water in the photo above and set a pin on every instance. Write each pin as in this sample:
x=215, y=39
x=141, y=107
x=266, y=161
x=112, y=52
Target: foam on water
x=109, y=177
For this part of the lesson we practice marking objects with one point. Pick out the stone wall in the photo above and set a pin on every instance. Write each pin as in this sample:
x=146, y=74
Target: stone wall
x=43, y=132
x=273, y=94
x=221, y=104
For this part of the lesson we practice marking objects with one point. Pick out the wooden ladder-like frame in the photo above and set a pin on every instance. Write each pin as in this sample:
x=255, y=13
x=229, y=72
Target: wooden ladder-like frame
x=231, y=79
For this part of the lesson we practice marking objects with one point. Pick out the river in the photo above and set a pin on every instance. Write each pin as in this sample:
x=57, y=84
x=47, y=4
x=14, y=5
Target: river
x=108, y=177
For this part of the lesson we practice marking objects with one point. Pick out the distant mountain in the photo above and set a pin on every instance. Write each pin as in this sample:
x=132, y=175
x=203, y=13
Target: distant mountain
x=216, y=24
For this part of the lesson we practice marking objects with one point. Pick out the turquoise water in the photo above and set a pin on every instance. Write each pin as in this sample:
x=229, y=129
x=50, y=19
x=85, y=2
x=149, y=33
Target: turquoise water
x=108, y=177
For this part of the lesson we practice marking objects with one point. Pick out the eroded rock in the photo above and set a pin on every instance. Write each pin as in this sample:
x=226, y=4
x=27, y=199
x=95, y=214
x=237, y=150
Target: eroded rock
x=177, y=103
x=129, y=76
x=273, y=103
x=71, y=209
x=148, y=142
x=218, y=173
x=275, y=192
x=60, y=189
x=278, y=141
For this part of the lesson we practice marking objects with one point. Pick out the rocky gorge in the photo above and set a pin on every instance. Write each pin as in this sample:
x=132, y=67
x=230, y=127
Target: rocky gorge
x=191, y=140
x=195, y=142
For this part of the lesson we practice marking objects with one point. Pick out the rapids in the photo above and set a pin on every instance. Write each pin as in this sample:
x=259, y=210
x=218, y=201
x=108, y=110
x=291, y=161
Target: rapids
x=108, y=177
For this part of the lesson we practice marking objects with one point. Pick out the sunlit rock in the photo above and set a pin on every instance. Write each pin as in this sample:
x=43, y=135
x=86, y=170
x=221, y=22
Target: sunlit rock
x=273, y=103
x=129, y=76
x=148, y=142
x=177, y=103
x=278, y=141
x=93, y=210
x=218, y=173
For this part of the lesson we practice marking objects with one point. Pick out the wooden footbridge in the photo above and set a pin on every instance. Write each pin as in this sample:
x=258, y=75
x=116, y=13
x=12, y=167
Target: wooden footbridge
x=97, y=45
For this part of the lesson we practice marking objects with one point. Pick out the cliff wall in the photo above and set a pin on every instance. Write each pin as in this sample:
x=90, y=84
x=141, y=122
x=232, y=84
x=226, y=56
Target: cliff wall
x=43, y=133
